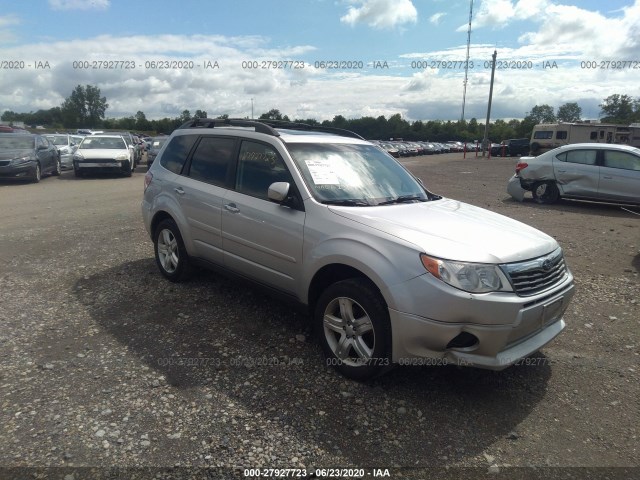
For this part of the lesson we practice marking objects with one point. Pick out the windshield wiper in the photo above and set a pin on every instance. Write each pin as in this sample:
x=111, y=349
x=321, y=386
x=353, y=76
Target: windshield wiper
x=404, y=199
x=347, y=202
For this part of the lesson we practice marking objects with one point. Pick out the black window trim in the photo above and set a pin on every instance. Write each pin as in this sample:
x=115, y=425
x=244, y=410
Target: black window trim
x=229, y=181
x=293, y=188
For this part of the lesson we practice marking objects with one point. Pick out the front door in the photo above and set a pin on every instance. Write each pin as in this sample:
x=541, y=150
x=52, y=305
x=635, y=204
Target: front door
x=262, y=239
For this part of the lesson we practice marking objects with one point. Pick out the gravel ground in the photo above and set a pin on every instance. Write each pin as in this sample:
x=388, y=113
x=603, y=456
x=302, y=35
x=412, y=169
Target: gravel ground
x=109, y=371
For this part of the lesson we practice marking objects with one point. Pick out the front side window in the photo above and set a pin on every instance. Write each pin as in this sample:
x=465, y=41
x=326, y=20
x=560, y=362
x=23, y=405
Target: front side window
x=259, y=165
x=358, y=175
x=584, y=157
x=210, y=162
x=176, y=152
x=622, y=160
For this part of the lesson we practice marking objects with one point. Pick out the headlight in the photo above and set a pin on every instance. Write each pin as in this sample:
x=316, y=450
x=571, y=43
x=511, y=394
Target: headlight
x=64, y=150
x=21, y=160
x=122, y=156
x=470, y=277
x=78, y=157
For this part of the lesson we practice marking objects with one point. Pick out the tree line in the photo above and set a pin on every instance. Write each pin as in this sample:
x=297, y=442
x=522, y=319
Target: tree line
x=86, y=108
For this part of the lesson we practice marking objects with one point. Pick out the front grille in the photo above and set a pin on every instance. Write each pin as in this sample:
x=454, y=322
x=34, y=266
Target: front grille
x=537, y=275
x=100, y=160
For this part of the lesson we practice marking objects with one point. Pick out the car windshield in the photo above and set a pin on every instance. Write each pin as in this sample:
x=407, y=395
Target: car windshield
x=58, y=140
x=158, y=143
x=111, y=143
x=16, y=143
x=355, y=175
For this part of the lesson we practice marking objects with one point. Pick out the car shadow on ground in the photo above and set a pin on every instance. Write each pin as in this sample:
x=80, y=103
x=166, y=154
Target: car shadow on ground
x=222, y=334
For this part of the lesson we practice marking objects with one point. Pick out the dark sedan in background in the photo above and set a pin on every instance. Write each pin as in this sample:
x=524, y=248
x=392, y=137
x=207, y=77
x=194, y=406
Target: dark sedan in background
x=27, y=157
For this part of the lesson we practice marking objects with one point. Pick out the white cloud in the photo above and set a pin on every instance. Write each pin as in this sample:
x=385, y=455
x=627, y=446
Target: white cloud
x=436, y=17
x=80, y=4
x=6, y=22
x=381, y=14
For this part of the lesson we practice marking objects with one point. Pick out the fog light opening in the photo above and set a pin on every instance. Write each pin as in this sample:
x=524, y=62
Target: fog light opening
x=464, y=341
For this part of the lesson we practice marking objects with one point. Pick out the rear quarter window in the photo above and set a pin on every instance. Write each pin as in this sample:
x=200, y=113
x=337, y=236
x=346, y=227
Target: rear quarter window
x=176, y=153
x=584, y=157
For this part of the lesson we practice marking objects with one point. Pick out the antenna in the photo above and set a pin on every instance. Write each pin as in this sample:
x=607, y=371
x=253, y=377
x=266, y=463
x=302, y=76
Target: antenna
x=466, y=65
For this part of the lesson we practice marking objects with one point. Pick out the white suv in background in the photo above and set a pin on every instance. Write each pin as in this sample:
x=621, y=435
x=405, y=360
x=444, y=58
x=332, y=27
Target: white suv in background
x=390, y=272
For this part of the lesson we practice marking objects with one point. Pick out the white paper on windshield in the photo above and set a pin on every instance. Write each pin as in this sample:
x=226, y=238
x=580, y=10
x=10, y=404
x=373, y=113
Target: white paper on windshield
x=322, y=172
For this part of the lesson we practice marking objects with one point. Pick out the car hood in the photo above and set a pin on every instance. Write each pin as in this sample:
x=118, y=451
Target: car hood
x=103, y=152
x=454, y=230
x=21, y=152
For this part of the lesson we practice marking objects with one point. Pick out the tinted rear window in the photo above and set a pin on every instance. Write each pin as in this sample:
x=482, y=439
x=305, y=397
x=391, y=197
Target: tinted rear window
x=176, y=152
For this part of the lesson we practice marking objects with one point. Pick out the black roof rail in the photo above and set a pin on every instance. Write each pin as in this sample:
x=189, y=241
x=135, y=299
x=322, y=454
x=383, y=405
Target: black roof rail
x=265, y=126
x=307, y=126
x=229, y=122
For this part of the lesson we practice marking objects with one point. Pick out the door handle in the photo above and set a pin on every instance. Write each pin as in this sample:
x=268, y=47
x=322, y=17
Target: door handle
x=179, y=190
x=231, y=207
x=562, y=171
x=607, y=177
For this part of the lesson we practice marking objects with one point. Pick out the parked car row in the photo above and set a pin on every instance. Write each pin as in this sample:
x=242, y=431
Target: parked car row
x=400, y=148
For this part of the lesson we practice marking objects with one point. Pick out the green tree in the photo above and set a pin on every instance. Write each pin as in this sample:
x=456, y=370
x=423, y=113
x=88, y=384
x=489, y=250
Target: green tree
x=84, y=107
x=618, y=108
x=141, y=121
x=273, y=114
x=569, y=112
x=185, y=116
x=541, y=114
x=200, y=114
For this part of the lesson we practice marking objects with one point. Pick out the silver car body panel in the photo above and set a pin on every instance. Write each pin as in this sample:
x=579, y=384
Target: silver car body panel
x=581, y=180
x=285, y=248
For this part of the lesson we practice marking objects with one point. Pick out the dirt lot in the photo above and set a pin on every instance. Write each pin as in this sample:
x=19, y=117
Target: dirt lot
x=105, y=364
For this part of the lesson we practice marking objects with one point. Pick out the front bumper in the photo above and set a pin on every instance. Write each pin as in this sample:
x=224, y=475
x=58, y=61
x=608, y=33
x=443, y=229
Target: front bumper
x=514, y=188
x=506, y=327
x=23, y=170
x=66, y=161
x=103, y=166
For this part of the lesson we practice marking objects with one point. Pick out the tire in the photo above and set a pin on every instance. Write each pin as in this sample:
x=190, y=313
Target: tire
x=37, y=174
x=77, y=172
x=358, y=345
x=545, y=192
x=129, y=171
x=535, y=146
x=58, y=170
x=171, y=255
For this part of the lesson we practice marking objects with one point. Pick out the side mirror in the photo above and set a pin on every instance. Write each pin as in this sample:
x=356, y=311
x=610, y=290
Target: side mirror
x=278, y=192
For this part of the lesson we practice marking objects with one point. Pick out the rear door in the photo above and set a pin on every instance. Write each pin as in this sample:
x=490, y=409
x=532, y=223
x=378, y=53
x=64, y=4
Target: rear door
x=202, y=188
x=577, y=173
x=620, y=176
x=262, y=239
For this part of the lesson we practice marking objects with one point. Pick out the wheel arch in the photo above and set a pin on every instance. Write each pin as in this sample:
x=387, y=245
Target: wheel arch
x=332, y=273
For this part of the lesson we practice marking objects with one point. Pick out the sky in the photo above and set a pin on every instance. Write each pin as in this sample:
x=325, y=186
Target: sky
x=320, y=58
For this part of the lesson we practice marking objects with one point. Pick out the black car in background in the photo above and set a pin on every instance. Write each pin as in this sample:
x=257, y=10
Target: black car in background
x=27, y=157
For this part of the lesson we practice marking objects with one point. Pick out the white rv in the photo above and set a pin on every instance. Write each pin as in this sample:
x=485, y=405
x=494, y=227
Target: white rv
x=547, y=136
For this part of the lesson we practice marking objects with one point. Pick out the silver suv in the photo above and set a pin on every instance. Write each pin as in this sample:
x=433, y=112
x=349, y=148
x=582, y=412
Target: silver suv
x=390, y=272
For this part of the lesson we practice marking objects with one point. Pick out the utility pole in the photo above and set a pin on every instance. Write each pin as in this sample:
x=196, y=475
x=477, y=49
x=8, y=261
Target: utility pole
x=466, y=65
x=485, y=140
